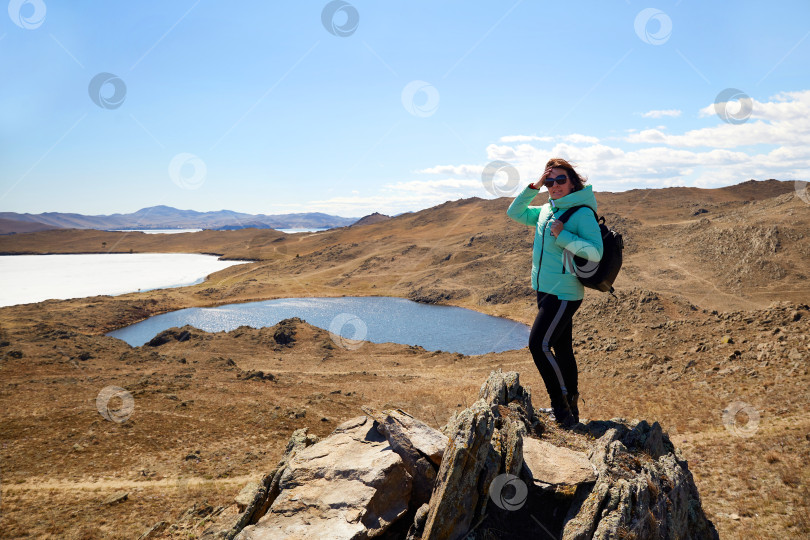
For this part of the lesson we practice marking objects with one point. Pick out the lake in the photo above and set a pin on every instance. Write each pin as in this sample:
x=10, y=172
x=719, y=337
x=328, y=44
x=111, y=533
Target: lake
x=176, y=231
x=34, y=278
x=378, y=319
x=157, y=231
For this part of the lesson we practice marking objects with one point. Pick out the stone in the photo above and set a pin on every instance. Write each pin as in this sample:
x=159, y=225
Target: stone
x=116, y=497
x=420, y=446
x=649, y=439
x=513, y=436
x=634, y=496
x=246, y=496
x=350, y=485
x=154, y=531
x=424, y=439
x=418, y=527
x=461, y=486
x=172, y=334
x=554, y=465
x=371, y=478
x=504, y=389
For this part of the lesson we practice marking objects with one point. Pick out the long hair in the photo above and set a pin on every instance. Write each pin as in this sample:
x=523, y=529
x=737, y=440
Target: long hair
x=577, y=180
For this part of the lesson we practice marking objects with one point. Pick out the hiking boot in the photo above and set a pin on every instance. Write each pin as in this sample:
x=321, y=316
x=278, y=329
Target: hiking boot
x=562, y=414
x=573, y=405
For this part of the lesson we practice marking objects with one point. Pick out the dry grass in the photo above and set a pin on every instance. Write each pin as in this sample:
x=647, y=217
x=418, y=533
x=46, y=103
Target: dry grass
x=60, y=458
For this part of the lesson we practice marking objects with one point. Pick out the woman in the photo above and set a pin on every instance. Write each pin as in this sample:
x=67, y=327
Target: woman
x=559, y=292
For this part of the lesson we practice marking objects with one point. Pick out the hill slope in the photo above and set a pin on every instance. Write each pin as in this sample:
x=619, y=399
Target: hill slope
x=708, y=335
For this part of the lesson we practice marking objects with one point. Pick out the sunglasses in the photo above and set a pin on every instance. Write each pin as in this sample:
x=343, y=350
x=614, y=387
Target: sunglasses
x=562, y=179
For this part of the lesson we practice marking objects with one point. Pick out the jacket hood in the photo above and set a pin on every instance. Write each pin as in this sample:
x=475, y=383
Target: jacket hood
x=584, y=196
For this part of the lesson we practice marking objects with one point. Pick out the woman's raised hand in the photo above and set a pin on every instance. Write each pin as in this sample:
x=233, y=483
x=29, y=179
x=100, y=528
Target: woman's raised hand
x=539, y=183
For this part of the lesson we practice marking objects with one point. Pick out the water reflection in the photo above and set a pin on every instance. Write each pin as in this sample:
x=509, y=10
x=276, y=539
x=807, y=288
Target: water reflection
x=379, y=318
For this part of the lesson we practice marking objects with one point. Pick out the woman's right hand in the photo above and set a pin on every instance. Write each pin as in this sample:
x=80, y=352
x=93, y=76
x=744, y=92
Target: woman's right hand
x=539, y=183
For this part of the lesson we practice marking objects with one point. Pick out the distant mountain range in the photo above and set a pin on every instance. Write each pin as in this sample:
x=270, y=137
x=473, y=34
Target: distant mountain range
x=166, y=217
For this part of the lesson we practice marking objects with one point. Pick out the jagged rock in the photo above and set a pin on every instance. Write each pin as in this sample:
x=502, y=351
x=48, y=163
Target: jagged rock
x=461, y=484
x=370, y=478
x=508, y=441
x=258, y=375
x=154, y=531
x=553, y=465
x=504, y=389
x=636, y=496
x=248, y=493
x=648, y=439
x=420, y=446
x=116, y=497
x=172, y=334
x=418, y=527
x=349, y=485
x=285, y=331
x=258, y=496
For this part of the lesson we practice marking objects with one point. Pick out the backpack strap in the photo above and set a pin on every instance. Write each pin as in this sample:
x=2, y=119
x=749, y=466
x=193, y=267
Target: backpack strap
x=568, y=213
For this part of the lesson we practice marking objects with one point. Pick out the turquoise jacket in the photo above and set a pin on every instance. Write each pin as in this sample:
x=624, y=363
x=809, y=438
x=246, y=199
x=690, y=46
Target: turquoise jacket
x=552, y=258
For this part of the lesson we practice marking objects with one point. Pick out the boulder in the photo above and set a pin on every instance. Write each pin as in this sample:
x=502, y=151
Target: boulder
x=461, y=484
x=378, y=474
x=350, y=485
x=420, y=446
x=552, y=465
x=636, y=495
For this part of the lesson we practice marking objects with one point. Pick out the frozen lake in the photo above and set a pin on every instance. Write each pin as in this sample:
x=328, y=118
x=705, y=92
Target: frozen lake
x=34, y=278
x=157, y=231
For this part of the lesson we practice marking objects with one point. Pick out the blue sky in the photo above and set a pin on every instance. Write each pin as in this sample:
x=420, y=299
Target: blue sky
x=280, y=107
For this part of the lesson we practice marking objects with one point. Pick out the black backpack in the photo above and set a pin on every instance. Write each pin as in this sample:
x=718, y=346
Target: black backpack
x=597, y=275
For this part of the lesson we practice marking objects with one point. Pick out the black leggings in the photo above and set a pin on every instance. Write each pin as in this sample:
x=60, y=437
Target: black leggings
x=552, y=330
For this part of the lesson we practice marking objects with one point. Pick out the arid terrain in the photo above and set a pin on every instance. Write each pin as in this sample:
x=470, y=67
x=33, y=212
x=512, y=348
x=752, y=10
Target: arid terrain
x=709, y=334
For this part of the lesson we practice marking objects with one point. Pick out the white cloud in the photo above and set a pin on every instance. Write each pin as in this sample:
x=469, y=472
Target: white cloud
x=524, y=138
x=577, y=138
x=574, y=137
x=674, y=113
x=773, y=143
x=464, y=171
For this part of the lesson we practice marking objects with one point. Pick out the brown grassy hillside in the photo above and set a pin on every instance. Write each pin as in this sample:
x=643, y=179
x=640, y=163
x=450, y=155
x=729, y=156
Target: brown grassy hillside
x=711, y=311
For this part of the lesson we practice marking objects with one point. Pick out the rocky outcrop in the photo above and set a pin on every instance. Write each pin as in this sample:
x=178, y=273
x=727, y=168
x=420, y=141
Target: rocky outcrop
x=167, y=336
x=467, y=469
x=420, y=447
x=498, y=469
x=643, y=489
x=350, y=485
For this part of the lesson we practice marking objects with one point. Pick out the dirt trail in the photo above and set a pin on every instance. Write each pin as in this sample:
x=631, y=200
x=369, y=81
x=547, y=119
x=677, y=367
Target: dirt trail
x=43, y=484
